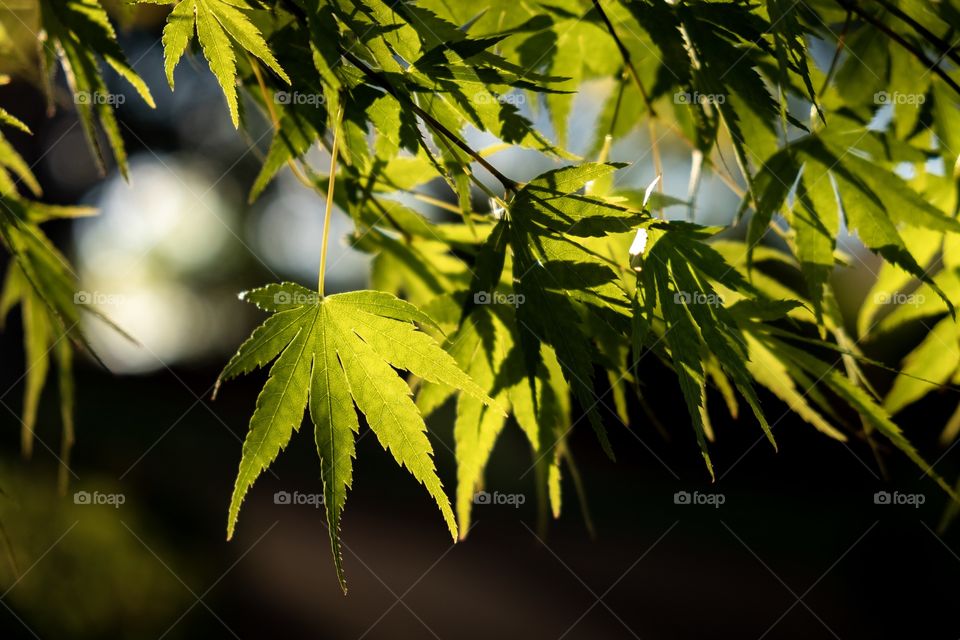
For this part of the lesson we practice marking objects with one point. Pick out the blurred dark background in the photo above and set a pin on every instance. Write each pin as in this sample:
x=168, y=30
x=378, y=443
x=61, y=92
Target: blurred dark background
x=798, y=549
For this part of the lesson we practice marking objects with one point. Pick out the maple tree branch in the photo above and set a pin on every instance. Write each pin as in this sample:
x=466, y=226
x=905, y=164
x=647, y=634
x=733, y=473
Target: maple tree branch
x=945, y=48
x=900, y=40
x=380, y=80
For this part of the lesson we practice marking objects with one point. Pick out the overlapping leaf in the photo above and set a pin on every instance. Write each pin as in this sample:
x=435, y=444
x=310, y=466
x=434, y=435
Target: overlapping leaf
x=559, y=279
x=677, y=274
x=486, y=347
x=40, y=280
x=833, y=180
x=815, y=371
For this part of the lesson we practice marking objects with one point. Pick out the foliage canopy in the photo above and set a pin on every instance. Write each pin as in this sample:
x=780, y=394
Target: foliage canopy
x=824, y=116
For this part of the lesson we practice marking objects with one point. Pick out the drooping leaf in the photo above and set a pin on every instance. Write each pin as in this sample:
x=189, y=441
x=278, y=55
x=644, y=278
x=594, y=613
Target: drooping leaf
x=875, y=415
x=936, y=360
x=43, y=335
x=224, y=32
x=679, y=268
x=83, y=34
x=555, y=275
x=336, y=352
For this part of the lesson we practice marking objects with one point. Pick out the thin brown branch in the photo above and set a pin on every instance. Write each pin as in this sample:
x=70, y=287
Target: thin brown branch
x=632, y=70
x=841, y=43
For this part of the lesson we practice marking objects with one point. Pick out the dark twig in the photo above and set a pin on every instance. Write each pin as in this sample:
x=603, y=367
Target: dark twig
x=380, y=80
x=632, y=70
x=841, y=43
x=945, y=48
x=896, y=37
x=625, y=54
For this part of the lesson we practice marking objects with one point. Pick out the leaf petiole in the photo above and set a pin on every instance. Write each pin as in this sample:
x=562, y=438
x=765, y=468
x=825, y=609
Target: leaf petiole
x=331, y=184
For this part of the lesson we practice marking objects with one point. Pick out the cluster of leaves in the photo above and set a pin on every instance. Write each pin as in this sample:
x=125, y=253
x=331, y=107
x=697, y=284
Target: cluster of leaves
x=599, y=280
x=77, y=36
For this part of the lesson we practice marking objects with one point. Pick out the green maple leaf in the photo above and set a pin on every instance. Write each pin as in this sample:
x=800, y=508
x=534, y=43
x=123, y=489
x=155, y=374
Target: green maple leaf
x=556, y=276
x=13, y=167
x=936, y=359
x=486, y=346
x=41, y=281
x=833, y=181
x=680, y=269
x=332, y=353
x=827, y=375
x=221, y=28
x=83, y=34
